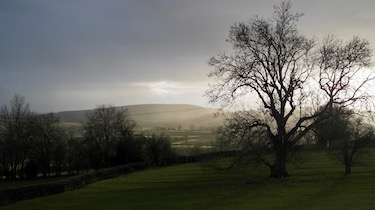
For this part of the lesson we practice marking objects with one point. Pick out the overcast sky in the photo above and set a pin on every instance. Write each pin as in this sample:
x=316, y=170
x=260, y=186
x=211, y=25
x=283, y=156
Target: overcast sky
x=75, y=54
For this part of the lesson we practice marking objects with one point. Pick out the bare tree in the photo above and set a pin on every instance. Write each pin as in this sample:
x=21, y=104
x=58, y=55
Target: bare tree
x=15, y=135
x=105, y=126
x=345, y=137
x=157, y=150
x=47, y=137
x=76, y=155
x=288, y=73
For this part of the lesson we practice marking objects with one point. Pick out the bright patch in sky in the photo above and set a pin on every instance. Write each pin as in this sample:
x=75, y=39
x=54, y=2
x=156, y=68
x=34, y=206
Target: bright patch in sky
x=71, y=55
x=172, y=88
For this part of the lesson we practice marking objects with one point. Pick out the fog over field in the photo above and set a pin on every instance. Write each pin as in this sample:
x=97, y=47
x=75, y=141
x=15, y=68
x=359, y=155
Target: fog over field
x=73, y=55
x=148, y=116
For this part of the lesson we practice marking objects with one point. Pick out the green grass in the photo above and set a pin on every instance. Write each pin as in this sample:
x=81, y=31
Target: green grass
x=318, y=184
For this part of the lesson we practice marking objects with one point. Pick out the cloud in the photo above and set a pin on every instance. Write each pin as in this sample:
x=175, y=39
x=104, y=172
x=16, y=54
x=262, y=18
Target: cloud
x=78, y=53
x=172, y=88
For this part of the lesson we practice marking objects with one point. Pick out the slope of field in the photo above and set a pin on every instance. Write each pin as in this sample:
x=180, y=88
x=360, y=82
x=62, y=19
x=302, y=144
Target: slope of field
x=318, y=184
x=158, y=115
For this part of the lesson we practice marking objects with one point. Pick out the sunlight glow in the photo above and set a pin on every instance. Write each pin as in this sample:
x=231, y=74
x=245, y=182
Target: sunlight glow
x=169, y=88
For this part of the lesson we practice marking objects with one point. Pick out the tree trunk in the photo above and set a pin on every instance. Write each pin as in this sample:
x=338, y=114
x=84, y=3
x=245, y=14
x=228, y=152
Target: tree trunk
x=278, y=169
x=347, y=162
x=347, y=170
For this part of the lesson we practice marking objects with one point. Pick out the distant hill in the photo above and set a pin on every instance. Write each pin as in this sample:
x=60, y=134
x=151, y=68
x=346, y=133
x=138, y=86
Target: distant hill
x=158, y=115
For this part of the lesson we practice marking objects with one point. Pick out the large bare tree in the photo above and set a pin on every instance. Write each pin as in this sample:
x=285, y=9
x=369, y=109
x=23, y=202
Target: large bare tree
x=289, y=75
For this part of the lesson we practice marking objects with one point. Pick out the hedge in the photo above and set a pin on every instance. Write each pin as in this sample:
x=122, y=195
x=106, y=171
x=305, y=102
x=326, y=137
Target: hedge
x=75, y=182
x=72, y=183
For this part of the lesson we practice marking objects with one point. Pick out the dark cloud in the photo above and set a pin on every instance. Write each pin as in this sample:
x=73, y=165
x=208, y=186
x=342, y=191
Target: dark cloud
x=75, y=54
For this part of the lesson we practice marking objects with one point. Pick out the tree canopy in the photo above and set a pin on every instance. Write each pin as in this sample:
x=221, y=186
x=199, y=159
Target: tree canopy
x=105, y=127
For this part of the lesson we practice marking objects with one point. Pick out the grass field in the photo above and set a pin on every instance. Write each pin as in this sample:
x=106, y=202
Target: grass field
x=318, y=184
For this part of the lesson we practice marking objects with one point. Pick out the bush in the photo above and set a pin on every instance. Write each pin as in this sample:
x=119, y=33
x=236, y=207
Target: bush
x=129, y=150
x=31, y=169
x=68, y=184
x=157, y=151
x=95, y=157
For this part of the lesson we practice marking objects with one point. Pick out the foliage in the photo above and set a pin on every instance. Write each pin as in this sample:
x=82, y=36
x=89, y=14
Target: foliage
x=129, y=150
x=31, y=169
x=157, y=150
x=289, y=74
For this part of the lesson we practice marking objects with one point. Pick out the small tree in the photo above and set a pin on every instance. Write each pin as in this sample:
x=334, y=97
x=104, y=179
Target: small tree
x=76, y=155
x=345, y=137
x=45, y=141
x=249, y=144
x=158, y=151
x=59, y=154
x=105, y=127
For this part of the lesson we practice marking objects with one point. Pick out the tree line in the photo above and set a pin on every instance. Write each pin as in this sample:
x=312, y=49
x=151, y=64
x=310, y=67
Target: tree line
x=32, y=143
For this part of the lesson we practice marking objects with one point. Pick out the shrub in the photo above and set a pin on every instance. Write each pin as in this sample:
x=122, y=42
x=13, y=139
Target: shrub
x=68, y=184
x=157, y=151
x=129, y=150
x=31, y=169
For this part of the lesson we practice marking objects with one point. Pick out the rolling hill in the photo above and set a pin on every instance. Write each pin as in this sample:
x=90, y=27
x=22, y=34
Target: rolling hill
x=158, y=115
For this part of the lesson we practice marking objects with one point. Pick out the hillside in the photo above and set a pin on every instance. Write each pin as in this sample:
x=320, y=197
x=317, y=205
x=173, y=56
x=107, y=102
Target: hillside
x=158, y=115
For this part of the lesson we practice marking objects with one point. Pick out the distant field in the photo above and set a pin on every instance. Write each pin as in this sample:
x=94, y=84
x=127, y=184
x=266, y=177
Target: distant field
x=318, y=184
x=149, y=116
x=187, y=125
x=182, y=140
x=185, y=140
x=190, y=137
